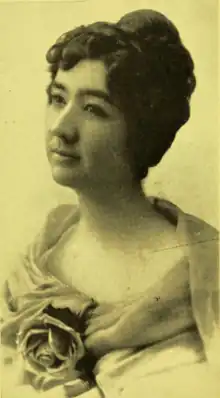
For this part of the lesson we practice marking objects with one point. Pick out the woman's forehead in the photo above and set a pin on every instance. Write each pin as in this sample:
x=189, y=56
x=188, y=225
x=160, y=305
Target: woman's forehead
x=87, y=74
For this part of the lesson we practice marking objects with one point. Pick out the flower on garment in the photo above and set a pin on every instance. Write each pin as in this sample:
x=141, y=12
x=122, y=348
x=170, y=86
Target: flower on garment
x=51, y=348
x=49, y=327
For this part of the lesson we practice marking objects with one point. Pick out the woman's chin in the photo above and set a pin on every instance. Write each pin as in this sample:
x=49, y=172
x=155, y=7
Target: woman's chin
x=65, y=177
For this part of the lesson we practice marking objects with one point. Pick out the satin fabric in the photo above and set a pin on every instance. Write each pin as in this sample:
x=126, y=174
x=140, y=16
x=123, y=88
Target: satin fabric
x=118, y=373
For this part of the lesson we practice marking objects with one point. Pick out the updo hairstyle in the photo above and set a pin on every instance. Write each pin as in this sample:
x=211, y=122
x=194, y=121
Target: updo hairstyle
x=150, y=74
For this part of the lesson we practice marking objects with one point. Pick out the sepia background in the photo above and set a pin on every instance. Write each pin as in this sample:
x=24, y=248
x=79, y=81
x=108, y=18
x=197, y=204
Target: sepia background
x=188, y=175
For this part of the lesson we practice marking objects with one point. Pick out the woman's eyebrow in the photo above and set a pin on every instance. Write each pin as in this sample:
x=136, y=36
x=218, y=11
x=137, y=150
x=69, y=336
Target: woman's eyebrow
x=95, y=93
x=82, y=92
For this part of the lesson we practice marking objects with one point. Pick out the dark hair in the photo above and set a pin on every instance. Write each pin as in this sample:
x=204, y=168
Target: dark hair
x=150, y=72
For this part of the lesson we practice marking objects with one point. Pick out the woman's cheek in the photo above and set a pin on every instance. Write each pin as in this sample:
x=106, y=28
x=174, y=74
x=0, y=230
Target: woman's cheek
x=92, y=136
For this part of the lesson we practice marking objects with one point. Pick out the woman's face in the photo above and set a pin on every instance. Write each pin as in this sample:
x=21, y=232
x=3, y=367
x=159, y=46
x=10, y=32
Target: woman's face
x=86, y=131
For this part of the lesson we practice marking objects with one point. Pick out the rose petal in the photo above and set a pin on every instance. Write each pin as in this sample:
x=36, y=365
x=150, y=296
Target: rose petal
x=28, y=326
x=65, y=371
x=76, y=387
x=10, y=327
x=39, y=318
x=37, y=381
x=47, y=382
x=32, y=308
x=48, y=320
x=34, y=344
x=72, y=349
x=31, y=340
x=33, y=322
x=46, y=360
x=66, y=367
x=77, y=347
x=77, y=303
x=44, y=355
x=61, y=371
x=36, y=301
x=33, y=365
x=66, y=316
x=59, y=343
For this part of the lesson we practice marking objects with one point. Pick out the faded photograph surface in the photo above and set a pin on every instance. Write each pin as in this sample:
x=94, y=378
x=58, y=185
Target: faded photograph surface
x=110, y=282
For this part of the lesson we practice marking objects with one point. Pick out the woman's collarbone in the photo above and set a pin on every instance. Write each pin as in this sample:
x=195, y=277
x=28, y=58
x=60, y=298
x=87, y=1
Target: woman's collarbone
x=114, y=275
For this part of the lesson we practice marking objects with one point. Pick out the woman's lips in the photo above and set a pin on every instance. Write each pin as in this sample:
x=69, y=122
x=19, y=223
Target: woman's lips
x=58, y=149
x=66, y=154
x=62, y=156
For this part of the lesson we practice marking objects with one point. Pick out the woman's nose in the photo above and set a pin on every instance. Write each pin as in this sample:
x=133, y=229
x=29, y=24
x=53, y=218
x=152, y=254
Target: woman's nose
x=66, y=126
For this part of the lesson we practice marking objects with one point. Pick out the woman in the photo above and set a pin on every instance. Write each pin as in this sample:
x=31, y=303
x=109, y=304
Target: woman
x=112, y=286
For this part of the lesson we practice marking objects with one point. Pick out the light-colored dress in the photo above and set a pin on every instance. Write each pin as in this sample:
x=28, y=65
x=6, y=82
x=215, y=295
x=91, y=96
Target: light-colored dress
x=185, y=365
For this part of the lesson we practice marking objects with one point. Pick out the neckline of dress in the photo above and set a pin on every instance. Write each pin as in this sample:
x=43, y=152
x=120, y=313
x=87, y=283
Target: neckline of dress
x=167, y=209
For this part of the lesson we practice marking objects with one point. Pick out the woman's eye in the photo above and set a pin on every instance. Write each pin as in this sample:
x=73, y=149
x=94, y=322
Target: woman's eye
x=57, y=100
x=95, y=110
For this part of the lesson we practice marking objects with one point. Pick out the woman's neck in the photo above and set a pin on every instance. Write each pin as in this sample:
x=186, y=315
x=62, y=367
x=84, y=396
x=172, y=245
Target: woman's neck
x=115, y=214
